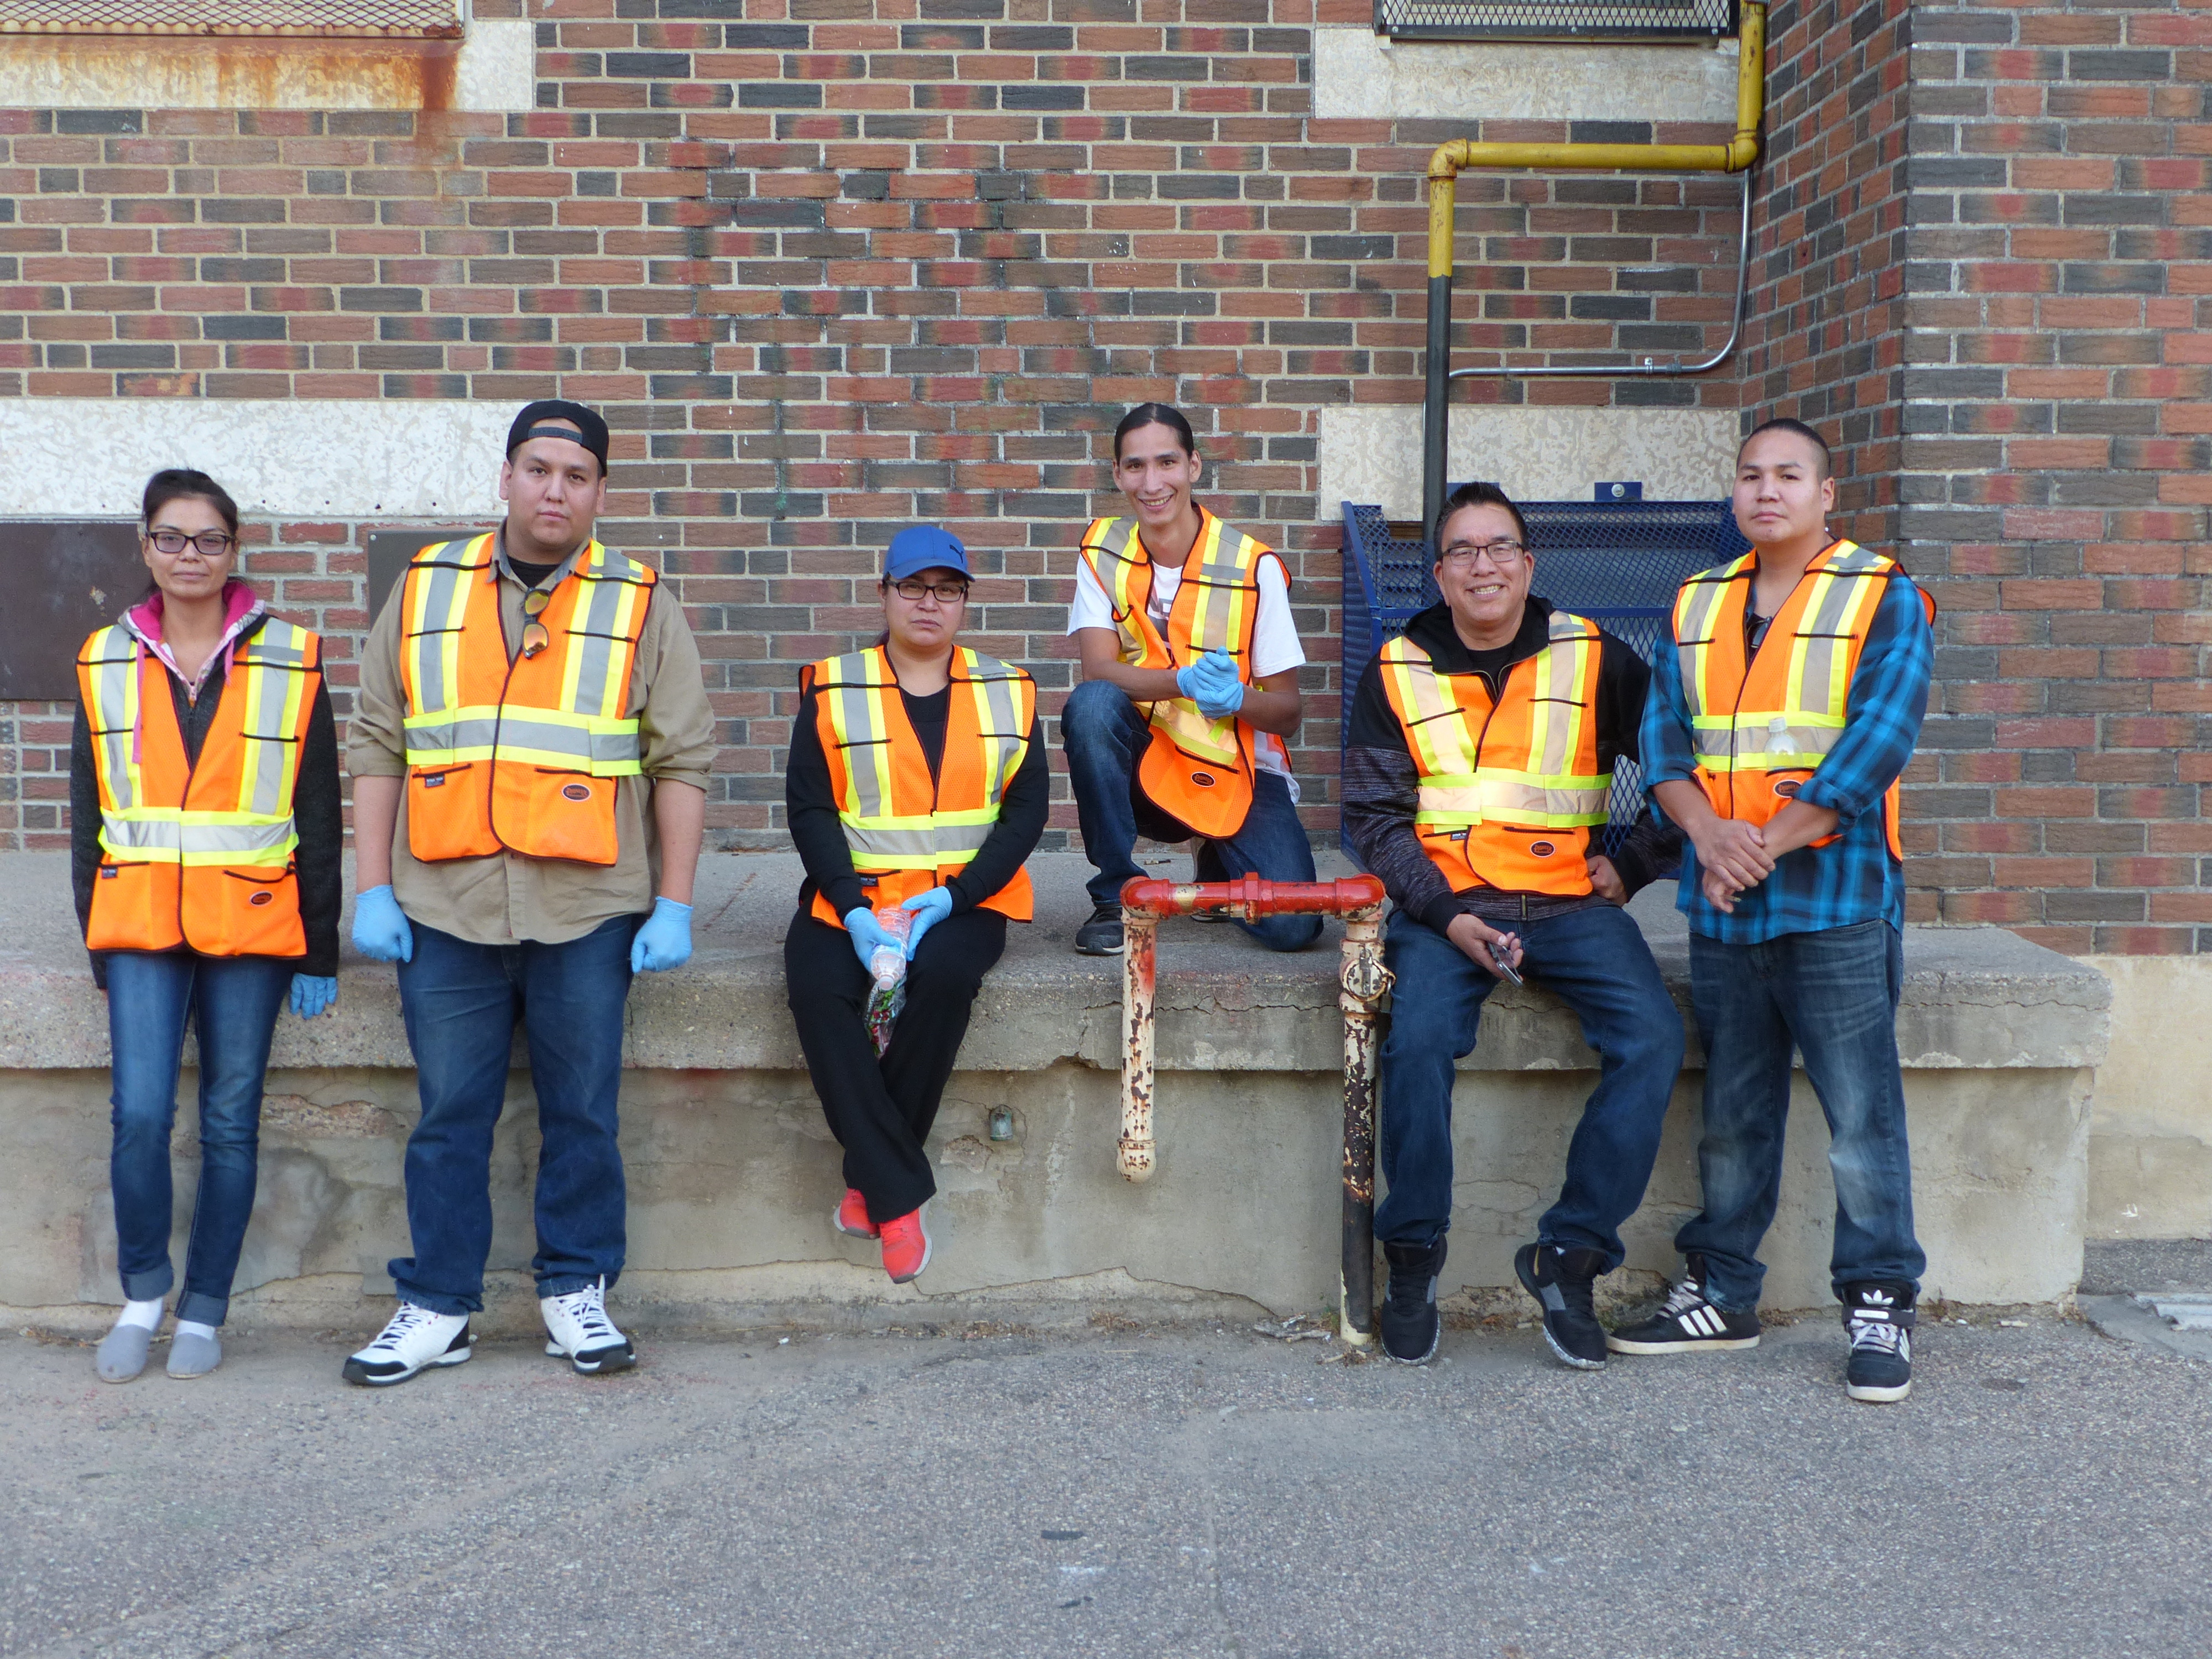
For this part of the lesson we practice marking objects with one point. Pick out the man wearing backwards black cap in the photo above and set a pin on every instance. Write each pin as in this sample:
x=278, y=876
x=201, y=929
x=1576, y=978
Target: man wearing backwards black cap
x=530, y=750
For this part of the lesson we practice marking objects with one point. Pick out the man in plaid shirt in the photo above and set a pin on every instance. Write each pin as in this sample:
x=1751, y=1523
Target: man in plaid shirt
x=1782, y=709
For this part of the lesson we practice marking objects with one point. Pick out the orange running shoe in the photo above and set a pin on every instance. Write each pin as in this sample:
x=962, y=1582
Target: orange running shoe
x=906, y=1247
x=851, y=1218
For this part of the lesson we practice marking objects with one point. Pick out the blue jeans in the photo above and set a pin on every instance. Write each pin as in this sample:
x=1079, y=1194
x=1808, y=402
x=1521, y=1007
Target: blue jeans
x=461, y=1002
x=1597, y=962
x=233, y=1001
x=1833, y=995
x=1105, y=737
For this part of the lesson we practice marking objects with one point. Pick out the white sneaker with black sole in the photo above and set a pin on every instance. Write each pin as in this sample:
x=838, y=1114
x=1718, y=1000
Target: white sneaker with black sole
x=578, y=1330
x=412, y=1341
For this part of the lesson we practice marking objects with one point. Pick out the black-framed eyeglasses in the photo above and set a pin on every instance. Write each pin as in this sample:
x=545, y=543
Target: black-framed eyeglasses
x=946, y=592
x=536, y=636
x=1500, y=554
x=212, y=544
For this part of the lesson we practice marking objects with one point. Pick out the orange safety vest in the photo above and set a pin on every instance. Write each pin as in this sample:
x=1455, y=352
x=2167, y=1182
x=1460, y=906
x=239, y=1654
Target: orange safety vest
x=1760, y=728
x=1509, y=789
x=909, y=832
x=515, y=753
x=1198, y=769
x=198, y=853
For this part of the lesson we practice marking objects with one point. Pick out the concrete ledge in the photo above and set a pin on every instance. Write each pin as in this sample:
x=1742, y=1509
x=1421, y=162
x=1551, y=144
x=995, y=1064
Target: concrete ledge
x=732, y=1172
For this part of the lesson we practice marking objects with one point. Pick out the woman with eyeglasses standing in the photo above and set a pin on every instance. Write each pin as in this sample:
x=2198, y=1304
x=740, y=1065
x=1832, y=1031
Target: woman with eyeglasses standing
x=205, y=833
x=916, y=792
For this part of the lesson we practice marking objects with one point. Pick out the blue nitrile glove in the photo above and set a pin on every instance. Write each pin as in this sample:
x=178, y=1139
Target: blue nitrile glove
x=311, y=995
x=868, y=935
x=1211, y=683
x=929, y=908
x=664, y=941
x=380, y=928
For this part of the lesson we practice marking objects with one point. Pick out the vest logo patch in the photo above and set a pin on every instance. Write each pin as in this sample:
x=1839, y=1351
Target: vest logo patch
x=263, y=898
x=576, y=791
x=110, y=873
x=1788, y=786
x=435, y=781
x=1542, y=849
x=1203, y=780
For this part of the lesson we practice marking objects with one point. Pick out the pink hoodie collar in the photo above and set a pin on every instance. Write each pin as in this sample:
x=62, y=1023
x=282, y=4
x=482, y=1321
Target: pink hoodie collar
x=241, y=608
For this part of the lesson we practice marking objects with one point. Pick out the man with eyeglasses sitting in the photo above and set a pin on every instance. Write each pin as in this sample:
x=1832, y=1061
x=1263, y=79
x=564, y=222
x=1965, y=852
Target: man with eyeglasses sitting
x=1480, y=759
x=530, y=748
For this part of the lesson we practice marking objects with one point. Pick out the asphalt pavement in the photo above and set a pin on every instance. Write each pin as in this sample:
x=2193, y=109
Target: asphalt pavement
x=1116, y=1489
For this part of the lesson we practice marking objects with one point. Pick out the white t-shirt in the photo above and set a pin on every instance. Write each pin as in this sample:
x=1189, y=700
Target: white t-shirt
x=1275, y=636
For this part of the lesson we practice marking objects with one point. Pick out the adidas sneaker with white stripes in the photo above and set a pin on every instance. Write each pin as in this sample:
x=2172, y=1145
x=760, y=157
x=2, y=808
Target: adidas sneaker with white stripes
x=1688, y=1322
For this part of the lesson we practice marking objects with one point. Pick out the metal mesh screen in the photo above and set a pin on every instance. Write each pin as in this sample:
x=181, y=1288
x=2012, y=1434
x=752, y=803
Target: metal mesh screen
x=1555, y=20
x=1616, y=563
x=414, y=18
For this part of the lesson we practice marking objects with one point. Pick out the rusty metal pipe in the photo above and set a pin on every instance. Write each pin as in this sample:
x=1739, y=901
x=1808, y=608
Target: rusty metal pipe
x=1361, y=980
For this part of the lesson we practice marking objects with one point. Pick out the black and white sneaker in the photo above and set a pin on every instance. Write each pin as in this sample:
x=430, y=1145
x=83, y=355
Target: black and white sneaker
x=1880, y=1318
x=1688, y=1322
x=1561, y=1281
x=412, y=1341
x=1101, y=936
x=1411, y=1326
x=578, y=1330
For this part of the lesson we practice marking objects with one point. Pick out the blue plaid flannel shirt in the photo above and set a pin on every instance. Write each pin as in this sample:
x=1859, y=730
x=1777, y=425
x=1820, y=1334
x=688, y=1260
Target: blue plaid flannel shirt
x=1851, y=880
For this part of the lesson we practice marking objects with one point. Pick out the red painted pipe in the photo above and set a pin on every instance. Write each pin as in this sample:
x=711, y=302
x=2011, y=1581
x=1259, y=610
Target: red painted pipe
x=1249, y=896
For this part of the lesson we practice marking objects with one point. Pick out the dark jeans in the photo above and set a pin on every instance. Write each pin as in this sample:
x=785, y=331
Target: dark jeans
x=233, y=1001
x=1833, y=995
x=1105, y=737
x=881, y=1110
x=461, y=1002
x=1598, y=963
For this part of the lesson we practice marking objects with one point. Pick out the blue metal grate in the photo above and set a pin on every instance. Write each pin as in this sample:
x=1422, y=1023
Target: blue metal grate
x=1616, y=563
x=1555, y=20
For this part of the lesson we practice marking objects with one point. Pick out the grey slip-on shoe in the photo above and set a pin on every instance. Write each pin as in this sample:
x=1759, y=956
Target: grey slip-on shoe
x=192, y=1354
x=122, y=1353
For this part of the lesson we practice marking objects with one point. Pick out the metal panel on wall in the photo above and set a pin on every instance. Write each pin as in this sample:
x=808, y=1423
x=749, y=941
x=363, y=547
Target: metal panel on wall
x=1555, y=20
x=65, y=578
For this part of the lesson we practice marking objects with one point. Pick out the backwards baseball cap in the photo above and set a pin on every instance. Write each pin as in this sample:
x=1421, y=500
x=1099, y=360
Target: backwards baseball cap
x=591, y=430
x=924, y=547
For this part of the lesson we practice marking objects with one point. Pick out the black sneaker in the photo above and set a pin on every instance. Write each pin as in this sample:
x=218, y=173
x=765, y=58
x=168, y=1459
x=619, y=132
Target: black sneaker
x=1411, y=1329
x=1560, y=1280
x=1688, y=1322
x=1879, y=1317
x=1101, y=936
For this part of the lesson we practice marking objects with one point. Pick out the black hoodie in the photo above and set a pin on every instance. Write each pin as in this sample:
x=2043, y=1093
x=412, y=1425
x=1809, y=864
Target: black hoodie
x=1382, y=784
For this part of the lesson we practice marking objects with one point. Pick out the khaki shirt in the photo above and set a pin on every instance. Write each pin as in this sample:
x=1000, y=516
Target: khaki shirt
x=507, y=897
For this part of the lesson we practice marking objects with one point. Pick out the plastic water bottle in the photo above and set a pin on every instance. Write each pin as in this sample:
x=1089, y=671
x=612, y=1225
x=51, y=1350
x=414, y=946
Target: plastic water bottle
x=887, y=967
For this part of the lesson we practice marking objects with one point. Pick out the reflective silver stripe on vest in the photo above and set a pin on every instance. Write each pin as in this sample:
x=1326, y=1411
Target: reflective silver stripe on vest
x=932, y=844
x=591, y=630
x=855, y=718
x=439, y=579
x=169, y=835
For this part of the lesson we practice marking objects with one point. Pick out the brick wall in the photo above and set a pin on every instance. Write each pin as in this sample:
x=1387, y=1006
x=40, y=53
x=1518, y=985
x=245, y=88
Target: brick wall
x=833, y=266
x=2054, y=469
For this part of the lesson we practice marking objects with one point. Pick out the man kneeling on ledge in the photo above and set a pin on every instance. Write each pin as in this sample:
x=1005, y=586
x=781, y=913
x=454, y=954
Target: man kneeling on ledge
x=1479, y=758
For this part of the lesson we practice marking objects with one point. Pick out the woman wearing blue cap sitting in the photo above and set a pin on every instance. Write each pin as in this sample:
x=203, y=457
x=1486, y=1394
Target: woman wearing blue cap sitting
x=916, y=791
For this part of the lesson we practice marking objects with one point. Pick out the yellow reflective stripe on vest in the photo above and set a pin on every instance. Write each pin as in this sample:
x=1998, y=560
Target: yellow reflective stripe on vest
x=113, y=718
x=1694, y=610
x=268, y=673
x=434, y=622
x=1003, y=708
x=587, y=732
x=1222, y=616
x=1544, y=793
x=858, y=687
x=1839, y=608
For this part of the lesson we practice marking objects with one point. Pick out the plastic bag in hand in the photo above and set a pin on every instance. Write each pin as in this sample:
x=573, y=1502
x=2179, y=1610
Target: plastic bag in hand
x=887, y=967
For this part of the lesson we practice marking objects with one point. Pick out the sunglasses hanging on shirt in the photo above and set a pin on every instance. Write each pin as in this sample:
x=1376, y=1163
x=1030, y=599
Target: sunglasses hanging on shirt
x=536, y=636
